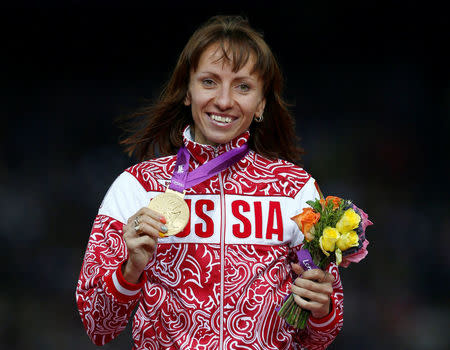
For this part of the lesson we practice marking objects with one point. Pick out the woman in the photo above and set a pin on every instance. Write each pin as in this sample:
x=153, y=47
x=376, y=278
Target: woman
x=216, y=284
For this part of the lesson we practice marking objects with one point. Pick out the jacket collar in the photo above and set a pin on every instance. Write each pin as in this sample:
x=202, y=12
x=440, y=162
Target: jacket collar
x=203, y=153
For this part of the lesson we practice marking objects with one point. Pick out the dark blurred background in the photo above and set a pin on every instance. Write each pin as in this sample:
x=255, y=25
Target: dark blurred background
x=369, y=86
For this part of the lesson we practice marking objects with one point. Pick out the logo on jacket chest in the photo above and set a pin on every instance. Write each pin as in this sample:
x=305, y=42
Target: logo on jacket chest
x=244, y=219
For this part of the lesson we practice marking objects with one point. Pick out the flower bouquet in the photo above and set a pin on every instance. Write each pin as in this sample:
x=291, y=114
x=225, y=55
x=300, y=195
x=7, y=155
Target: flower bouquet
x=334, y=231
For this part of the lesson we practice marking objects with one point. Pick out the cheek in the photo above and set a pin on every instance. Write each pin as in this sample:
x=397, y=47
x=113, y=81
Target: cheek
x=250, y=108
x=199, y=101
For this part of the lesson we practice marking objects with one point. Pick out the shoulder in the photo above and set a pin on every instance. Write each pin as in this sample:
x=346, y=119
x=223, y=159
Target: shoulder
x=280, y=168
x=153, y=174
x=130, y=191
x=281, y=174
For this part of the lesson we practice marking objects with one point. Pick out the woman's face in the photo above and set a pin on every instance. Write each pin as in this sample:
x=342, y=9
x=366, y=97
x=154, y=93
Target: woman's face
x=223, y=102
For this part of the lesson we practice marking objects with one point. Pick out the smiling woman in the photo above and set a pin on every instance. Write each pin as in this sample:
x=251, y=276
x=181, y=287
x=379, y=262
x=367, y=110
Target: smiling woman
x=223, y=102
x=236, y=47
x=201, y=239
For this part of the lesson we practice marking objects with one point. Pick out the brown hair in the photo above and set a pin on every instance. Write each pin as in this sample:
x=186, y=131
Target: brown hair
x=162, y=123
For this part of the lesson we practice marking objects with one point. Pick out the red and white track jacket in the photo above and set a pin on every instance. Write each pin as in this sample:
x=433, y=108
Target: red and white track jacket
x=216, y=284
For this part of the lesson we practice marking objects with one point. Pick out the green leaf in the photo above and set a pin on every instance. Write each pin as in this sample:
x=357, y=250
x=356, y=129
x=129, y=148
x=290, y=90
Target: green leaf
x=315, y=205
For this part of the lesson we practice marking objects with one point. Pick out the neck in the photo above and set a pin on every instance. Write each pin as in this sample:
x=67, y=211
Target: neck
x=199, y=138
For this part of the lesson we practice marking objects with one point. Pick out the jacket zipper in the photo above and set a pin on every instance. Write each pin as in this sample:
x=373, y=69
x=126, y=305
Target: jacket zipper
x=222, y=257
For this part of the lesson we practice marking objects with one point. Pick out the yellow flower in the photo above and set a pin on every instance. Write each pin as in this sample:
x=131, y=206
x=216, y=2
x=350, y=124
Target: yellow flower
x=349, y=221
x=347, y=240
x=328, y=239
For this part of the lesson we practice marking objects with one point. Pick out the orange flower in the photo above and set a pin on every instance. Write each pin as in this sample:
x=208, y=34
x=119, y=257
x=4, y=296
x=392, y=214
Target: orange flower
x=335, y=200
x=306, y=220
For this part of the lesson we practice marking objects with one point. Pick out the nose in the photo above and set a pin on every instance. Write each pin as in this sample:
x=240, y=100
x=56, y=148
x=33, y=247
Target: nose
x=224, y=98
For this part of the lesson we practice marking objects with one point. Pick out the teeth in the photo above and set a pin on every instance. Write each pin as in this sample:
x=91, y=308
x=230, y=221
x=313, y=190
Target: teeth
x=221, y=119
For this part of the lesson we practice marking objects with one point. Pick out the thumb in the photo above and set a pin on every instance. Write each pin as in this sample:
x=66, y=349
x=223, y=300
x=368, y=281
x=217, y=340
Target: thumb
x=297, y=269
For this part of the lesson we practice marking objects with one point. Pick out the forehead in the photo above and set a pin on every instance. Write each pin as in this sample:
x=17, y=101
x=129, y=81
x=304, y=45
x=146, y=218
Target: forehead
x=222, y=57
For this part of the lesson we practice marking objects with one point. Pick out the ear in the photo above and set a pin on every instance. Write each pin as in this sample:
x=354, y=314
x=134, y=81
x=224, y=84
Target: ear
x=260, y=107
x=187, y=99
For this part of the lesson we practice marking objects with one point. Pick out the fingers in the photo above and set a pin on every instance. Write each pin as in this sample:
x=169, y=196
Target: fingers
x=306, y=285
x=312, y=291
x=147, y=212
x=148, y=226
x=318, y=275
x=318, y=309
x=146, y=222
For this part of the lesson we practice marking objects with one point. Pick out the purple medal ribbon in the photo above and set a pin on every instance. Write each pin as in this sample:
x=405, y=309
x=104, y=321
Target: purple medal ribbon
x=305, y=260
x=182, y=178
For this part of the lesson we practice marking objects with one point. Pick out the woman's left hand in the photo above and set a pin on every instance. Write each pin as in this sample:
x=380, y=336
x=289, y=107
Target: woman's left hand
x=312, y=290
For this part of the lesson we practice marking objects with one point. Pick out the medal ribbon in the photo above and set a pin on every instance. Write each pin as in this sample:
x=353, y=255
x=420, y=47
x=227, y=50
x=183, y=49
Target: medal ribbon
x=182, y=178
x=305, y=260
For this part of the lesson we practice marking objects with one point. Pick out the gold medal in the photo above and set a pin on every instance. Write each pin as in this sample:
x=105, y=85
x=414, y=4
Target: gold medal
x=172, y=206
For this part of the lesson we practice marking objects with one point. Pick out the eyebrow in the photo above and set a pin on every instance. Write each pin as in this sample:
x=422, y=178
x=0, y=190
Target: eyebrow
x=239, y=77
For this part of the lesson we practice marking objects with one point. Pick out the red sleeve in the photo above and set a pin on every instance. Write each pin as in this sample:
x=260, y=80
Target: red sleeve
x=319, y=333
x=105, y=300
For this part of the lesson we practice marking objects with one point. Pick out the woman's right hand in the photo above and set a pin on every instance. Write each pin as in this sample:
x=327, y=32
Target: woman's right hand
x=141, y=237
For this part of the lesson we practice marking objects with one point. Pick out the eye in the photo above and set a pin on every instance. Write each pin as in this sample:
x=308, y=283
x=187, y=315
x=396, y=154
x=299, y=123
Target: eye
x=243, y=87
x=208, y=82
